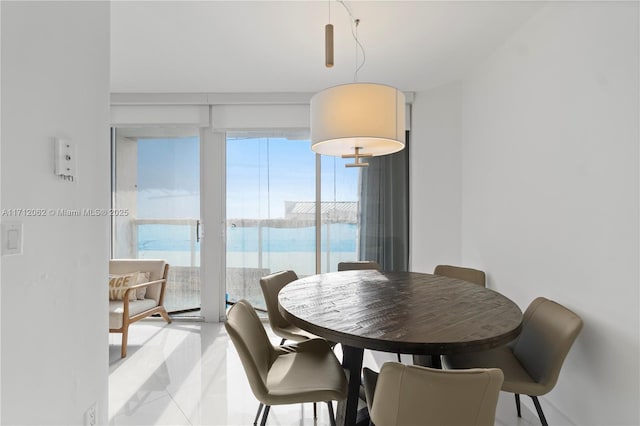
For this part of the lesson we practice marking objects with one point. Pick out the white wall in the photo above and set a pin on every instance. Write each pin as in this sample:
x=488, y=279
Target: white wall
x=550, y=190
x=55, y=82
x=435, y=179
x=0, y=208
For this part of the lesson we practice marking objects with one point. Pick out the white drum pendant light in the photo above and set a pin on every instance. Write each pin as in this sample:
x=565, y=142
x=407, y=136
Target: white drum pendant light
x=358, y=120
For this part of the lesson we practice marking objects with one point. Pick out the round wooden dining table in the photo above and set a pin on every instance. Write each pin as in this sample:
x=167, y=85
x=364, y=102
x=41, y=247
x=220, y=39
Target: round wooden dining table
x=401, y=312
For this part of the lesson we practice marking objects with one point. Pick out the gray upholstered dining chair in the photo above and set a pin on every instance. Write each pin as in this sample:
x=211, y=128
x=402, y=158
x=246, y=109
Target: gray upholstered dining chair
x=358, y=265
x=531, y=364
x=466, y=274
x=409, y=395
x=303, y=372
x=271, y=286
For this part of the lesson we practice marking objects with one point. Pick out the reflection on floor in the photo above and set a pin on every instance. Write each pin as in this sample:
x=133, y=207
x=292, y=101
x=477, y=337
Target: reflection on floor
x=188, y=373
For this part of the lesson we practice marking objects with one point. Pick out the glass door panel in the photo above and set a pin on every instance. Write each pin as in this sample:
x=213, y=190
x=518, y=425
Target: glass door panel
x=340, y=212
x=156, y=178
x=270, y=210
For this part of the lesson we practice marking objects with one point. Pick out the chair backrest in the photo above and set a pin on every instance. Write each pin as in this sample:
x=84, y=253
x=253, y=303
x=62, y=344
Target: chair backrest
x=466, y=274
x=358, y=265
x=271, y=286
x=548, y=332
x=252, y=344
x=408, y=395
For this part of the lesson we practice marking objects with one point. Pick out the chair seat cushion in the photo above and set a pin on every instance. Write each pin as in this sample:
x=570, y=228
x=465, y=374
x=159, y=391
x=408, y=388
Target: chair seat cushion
x=516, y=378
x=116, y=310
x=305, y=372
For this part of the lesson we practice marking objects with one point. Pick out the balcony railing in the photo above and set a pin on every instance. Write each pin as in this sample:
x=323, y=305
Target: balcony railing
x=254, y=248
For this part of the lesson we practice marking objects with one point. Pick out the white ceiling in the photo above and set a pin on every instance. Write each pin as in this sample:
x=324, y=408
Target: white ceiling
x=278, y=46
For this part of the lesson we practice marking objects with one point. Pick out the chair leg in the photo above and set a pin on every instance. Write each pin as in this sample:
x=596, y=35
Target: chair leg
x=543, y=420
x=265, y=415
x=399, y=358
x=332, y=417
x=255, y=421
x=315, y=411
x=165, y=315
x=282, y=341
x=125, y=335
x=517, y=395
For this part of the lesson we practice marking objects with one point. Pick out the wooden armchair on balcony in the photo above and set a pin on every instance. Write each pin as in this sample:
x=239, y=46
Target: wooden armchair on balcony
x=136, y=291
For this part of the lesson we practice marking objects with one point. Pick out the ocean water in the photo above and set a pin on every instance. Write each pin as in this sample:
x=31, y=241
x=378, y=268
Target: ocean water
x=251, y=253
x=342, y=239
x=162, y=237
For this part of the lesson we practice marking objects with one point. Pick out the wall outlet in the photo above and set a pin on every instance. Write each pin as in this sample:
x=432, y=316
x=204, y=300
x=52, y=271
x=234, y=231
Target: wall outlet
x=90, y=416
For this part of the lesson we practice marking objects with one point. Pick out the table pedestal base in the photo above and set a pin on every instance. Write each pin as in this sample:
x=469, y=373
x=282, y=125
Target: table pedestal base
x=432, y=361
x=347, y=413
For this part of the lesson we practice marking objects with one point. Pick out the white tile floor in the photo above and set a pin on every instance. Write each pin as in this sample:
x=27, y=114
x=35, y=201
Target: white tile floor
x=188, y=373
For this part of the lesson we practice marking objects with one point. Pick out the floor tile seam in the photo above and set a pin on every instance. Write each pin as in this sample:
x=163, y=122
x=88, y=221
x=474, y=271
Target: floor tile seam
x=178, y=406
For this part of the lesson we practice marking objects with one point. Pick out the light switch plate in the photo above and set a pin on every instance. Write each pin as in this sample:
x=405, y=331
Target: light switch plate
x=11, y=238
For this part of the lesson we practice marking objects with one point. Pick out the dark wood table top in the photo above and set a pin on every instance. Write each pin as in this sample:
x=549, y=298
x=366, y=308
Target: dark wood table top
x=404, y=312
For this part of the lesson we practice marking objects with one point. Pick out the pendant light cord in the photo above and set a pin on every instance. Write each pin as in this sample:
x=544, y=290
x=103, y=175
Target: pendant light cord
x=354, y=33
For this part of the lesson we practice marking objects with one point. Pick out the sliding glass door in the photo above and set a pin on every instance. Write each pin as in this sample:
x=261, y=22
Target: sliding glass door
x=272, y=197
x=156, y=181
x=270, y=210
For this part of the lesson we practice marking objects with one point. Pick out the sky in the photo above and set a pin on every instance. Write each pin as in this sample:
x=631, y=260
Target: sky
x=169, y=178
x=262, y=173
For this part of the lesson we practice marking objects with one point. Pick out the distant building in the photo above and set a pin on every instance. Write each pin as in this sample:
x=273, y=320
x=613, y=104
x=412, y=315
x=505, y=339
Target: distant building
x=303, y=214
x=334, y=212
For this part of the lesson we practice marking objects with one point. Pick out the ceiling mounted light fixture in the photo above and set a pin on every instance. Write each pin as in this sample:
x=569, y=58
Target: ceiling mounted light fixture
x=358, y=120
x=328, y=42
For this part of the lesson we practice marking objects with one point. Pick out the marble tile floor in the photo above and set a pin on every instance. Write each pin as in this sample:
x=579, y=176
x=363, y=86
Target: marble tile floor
x=188, y=373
